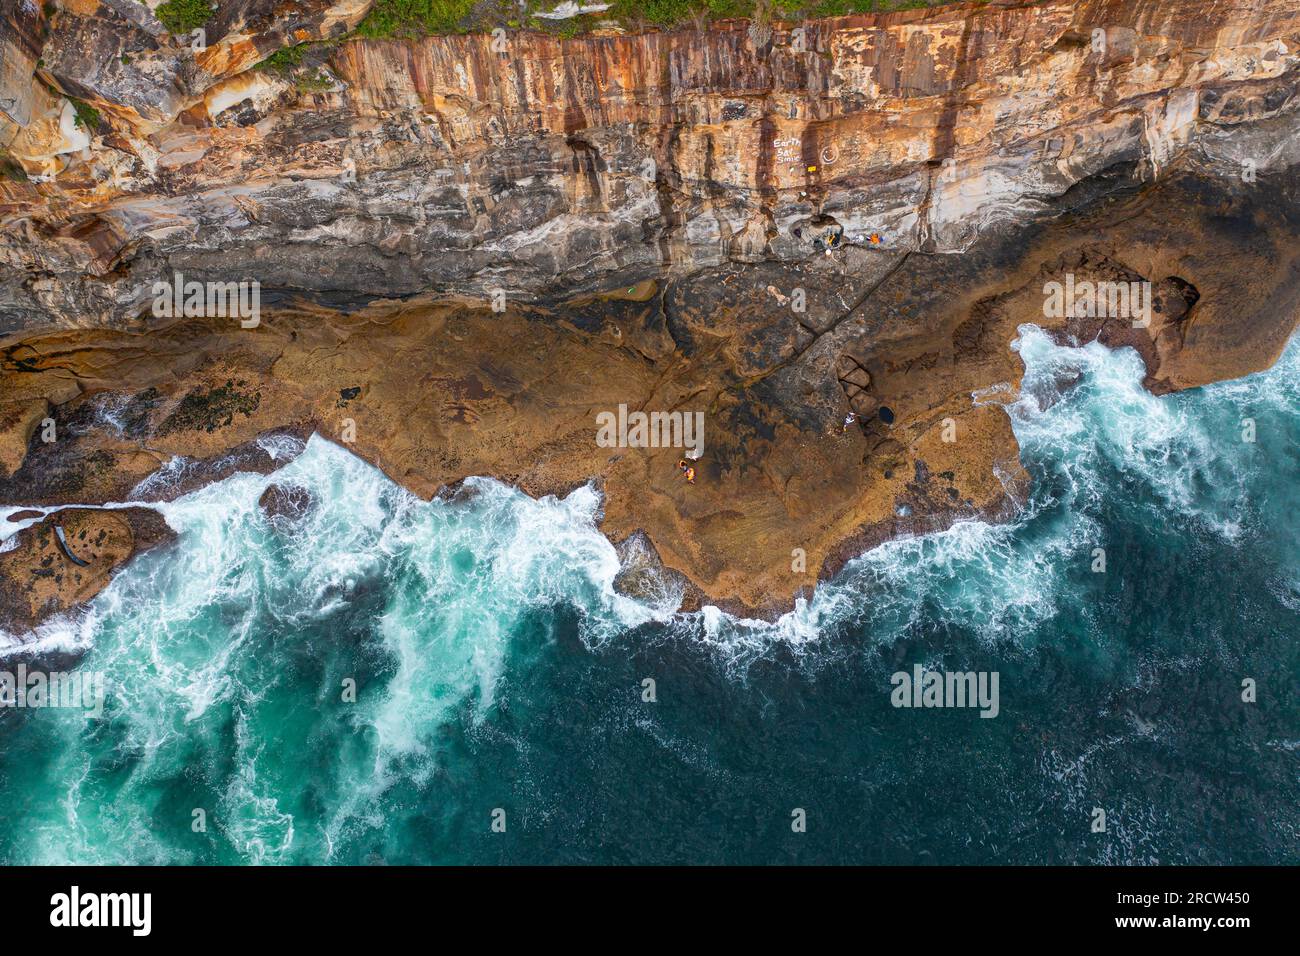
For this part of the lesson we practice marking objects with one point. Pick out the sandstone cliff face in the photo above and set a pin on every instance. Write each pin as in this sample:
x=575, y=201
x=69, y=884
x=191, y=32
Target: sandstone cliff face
x=650, y=205
x=540, y=163
x=21, y=37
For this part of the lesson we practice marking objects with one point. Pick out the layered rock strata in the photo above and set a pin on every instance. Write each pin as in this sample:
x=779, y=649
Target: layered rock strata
x=672, y=222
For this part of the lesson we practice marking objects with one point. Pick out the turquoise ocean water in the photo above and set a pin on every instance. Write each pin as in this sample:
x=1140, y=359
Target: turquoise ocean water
x=499, y=676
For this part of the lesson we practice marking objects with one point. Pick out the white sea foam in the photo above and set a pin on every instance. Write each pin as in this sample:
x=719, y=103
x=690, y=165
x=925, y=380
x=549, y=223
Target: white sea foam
x=281, y=446
x=551, y=550
x=8, y=528
x=181, y=632
x=1192, y=463
x=525, y=552
x=1082, y=417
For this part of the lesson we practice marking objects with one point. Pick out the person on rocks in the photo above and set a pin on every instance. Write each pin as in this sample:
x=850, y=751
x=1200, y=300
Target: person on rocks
x=687, y=469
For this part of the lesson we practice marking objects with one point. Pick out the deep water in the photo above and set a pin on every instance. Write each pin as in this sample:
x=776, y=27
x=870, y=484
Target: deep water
x=496, y=669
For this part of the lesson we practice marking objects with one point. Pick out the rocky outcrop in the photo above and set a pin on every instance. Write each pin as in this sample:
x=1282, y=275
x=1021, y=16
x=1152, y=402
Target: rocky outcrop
x=22, y=34
x=433, y=391
x=68, y=558
x=18, y=422
x=117, y=55
x=467, y=253
x=86, y=87
x=285, y=505
x=459, y=163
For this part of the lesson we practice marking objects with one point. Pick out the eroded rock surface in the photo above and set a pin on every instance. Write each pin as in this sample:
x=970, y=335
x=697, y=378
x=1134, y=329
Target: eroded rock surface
x=68, y=558
x=445, y=164
x=284, y=505
x=432, y=392
x=676, y=221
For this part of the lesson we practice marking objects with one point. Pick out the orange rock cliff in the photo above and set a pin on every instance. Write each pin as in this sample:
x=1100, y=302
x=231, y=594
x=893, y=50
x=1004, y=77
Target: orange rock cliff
x=672, y=221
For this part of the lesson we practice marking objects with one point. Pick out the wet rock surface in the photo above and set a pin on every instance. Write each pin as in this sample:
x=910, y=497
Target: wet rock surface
x=466, y=255
x=68, y=558
x=283, y=505
x=434, y=391
x=18, y=423
x=643, y=577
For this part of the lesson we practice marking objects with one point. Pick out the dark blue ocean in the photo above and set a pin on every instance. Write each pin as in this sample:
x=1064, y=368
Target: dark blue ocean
x=499, y=677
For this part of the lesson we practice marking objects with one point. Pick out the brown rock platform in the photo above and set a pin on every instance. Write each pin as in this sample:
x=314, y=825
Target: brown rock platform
x=434, y=391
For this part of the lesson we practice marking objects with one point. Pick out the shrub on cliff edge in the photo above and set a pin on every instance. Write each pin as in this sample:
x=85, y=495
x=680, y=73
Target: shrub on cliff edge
x=390, y=18
x=181, y=16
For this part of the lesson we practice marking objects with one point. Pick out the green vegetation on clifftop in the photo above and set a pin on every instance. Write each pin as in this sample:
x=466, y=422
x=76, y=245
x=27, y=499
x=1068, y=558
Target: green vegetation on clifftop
x=394, y=18
x=413, y=18
x=181, y=16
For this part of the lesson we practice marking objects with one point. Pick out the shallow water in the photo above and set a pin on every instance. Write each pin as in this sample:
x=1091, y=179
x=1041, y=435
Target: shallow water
x=495, y=669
